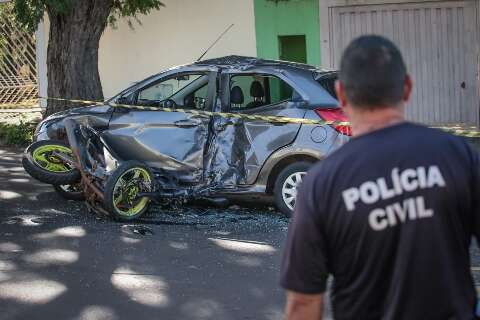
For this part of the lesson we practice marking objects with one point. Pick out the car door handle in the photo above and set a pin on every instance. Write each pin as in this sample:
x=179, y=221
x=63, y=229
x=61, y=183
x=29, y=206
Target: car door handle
x=187, y=123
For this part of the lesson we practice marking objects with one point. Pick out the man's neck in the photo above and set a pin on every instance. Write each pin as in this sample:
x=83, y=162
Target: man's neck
x=365, y=121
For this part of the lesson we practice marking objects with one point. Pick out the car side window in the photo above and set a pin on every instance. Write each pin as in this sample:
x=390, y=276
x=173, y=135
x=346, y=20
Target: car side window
x=253, y=91
x=185, y=90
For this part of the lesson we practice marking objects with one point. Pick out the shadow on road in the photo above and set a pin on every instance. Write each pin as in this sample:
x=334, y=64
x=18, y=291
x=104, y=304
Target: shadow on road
x=59, y=261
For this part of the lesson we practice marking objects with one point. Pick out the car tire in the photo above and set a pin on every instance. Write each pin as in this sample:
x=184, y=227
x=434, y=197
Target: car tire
x=286, y=184
x=69, y=192
x=121, y=186
x=39, y=170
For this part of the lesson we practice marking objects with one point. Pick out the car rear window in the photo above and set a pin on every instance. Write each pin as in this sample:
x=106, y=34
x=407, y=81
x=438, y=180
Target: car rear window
x=327, y=81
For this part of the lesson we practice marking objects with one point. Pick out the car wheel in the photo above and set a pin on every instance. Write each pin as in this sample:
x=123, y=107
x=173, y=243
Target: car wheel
x=122, y=188
x=285, y=190
x=70, y=192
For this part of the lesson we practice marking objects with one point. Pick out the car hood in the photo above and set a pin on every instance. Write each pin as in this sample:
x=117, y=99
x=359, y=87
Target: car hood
x=52, y=126
x=92, y=109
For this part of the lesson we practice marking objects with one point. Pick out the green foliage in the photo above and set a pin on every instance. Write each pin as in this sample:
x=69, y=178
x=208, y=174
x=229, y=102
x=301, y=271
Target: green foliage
x=132, y=8
x=19, y=135
x=30, y=12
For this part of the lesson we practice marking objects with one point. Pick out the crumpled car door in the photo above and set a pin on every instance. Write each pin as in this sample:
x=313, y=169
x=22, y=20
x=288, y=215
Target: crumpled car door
x=240, y=147
x=170, y=141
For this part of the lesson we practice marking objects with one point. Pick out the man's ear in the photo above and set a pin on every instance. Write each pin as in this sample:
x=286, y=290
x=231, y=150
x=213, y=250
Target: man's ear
x=407, y=88
x=341, y=96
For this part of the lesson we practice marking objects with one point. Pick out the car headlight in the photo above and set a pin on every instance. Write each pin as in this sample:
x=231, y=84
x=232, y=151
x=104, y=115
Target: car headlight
x=41, y=127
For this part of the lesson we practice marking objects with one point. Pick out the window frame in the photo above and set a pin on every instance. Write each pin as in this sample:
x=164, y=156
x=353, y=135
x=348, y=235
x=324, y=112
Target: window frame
x=208, y=73
x=266, y=106
x=328, y=76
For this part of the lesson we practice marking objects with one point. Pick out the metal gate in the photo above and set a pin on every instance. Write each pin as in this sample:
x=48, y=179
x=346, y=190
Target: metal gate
x=18, y=70
x=439, y=42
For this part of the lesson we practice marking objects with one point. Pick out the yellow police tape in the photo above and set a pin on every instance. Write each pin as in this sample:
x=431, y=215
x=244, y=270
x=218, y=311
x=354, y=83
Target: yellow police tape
x=456, y=130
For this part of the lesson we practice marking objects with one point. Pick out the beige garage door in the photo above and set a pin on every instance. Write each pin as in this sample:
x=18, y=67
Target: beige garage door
x=438, y=40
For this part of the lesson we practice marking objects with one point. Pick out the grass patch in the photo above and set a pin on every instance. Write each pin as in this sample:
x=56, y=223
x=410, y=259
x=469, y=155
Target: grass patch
x=18, y=134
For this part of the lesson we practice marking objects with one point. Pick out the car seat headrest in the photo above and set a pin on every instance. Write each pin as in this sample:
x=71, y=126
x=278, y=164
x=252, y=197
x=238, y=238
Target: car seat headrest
x=256, y=90
x=236, y=95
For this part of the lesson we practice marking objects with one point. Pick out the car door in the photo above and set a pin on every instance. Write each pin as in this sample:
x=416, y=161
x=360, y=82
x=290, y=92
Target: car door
x=242, y=146
x=170, y=141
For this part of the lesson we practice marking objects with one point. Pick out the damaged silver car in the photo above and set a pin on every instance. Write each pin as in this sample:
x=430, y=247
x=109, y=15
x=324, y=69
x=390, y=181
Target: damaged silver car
x=121, y=159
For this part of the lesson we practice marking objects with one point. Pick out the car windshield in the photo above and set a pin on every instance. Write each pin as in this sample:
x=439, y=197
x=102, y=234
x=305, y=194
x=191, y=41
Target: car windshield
x=127, y=91
x=199, y=81
x=170, y=88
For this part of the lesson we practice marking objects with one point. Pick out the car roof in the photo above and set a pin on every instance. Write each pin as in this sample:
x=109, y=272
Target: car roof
x=244, y=62
x=303, y=76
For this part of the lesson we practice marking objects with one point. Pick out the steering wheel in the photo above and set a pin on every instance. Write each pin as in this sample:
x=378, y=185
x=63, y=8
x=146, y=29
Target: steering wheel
x=169, y=103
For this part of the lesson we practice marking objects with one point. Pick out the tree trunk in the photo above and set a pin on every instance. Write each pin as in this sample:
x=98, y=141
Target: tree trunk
x=72, y=56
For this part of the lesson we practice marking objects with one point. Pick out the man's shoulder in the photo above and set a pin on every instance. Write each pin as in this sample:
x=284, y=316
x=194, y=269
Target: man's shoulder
x=440, y=133
x=406, y=140
x=445, y=140
x=398, y=136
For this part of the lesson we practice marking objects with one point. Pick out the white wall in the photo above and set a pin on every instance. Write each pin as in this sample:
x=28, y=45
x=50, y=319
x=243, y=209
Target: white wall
x=177, y=34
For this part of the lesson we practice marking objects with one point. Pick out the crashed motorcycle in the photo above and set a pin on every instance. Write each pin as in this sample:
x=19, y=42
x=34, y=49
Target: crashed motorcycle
x=91, y=170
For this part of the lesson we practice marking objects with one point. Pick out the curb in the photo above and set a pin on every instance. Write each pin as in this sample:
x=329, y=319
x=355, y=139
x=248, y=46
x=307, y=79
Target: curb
x=21, y=110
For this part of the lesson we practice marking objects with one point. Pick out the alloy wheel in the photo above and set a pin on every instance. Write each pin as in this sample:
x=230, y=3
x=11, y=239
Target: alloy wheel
x=289, y=188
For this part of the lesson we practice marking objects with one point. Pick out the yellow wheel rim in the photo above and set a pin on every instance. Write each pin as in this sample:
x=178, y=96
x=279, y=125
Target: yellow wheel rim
x=125, y=192
x=44, y=158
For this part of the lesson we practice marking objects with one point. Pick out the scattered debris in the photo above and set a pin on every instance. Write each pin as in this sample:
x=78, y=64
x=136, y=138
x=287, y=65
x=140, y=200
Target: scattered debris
x=235, y=218
x=136, y=229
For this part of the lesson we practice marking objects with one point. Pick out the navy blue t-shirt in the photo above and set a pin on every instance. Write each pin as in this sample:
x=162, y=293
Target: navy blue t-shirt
x=390, y=215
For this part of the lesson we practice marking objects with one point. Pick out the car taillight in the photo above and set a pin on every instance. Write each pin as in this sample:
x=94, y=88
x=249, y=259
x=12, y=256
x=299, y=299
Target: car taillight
x=337, y=115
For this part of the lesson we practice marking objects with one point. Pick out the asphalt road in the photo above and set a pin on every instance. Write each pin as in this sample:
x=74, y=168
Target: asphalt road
x=57, y=261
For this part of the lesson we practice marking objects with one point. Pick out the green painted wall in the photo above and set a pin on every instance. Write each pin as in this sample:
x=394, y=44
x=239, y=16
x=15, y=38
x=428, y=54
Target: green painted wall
x=283, y=18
